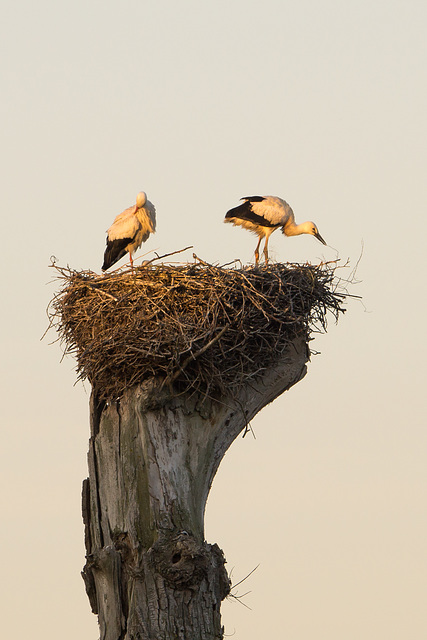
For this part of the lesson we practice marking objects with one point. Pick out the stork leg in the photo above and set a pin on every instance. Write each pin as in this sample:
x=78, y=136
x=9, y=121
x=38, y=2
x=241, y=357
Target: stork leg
x=131, y=261
x=266, y=249
x=257, y=251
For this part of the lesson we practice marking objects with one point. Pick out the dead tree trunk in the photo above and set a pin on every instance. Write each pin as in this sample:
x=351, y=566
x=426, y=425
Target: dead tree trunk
x=150, y=574
x=190, y=353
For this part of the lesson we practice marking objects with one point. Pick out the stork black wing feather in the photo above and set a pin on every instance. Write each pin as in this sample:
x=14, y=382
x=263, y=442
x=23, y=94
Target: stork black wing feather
x=245, y=212
x=115, y=250
x=253, y=198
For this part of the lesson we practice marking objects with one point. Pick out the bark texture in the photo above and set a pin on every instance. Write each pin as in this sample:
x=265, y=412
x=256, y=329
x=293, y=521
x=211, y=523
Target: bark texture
x=150, y=574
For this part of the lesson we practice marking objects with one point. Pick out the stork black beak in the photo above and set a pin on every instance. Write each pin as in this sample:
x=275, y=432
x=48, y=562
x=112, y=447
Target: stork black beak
x=319, y=237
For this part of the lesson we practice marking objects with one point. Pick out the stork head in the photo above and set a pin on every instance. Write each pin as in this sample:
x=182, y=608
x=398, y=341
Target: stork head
x=141, y=199
x=312, y=229
x=306, y=227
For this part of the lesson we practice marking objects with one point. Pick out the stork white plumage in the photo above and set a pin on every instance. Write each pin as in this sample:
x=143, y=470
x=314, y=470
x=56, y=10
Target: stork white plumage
x=129, y=230
x=263, y=215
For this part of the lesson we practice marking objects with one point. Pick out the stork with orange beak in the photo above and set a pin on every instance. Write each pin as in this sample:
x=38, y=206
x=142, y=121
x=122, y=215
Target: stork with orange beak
x=129, y=230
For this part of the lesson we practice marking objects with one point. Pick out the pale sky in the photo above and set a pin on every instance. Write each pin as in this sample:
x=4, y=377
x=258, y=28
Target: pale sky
x=198, y=104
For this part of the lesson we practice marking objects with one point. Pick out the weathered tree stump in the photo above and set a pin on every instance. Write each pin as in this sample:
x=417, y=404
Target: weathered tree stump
x=150, y=574
x=180, y=359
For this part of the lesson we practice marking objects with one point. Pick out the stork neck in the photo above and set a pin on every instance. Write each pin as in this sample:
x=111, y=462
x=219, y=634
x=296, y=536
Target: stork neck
x=292, y=229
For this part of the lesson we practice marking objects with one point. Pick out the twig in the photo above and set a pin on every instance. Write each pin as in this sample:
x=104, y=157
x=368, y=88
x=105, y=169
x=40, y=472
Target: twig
x=194, y=356
x=166, y=255
x=104, y=293
x=245, y=578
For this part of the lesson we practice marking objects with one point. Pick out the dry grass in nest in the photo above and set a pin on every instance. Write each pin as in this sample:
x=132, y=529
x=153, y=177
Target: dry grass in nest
x=196, y=326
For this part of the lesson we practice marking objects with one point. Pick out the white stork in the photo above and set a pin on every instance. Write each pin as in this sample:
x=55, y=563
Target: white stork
x=129, y=230
x=265, y=214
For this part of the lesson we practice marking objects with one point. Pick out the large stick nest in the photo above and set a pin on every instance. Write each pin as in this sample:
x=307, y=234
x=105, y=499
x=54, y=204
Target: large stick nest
x=196, y=326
